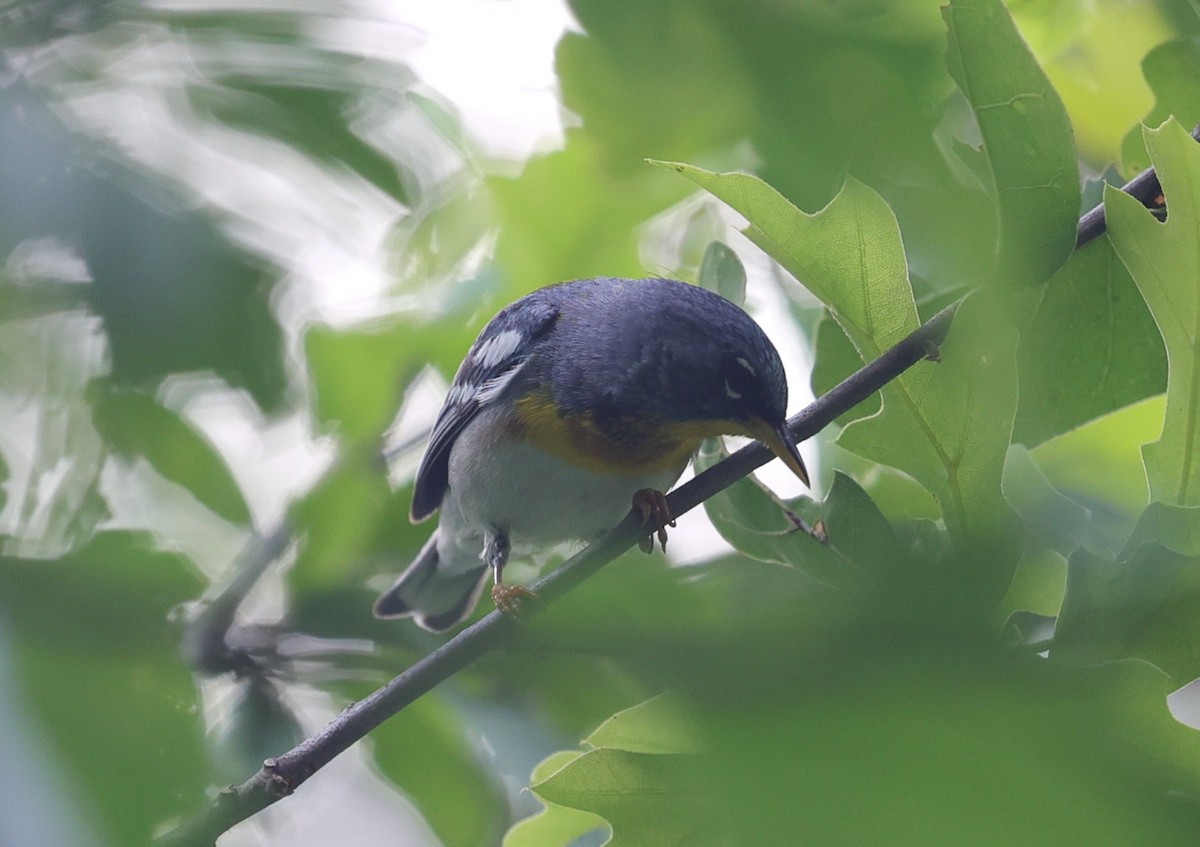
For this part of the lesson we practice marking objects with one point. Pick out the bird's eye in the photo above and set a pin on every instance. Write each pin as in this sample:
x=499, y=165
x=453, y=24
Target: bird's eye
x=740, y=377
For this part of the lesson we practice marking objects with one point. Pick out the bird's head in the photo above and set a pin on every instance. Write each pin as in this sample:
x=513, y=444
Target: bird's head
x=718, y=372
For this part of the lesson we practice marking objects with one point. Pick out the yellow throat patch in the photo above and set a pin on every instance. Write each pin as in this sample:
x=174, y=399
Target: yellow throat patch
x=621, y=446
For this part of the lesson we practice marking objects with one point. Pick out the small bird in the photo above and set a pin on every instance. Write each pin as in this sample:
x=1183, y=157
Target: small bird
x=576, y=402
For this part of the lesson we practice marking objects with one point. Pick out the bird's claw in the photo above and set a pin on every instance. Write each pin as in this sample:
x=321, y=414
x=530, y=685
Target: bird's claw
x=508, y=598
x=652, y=503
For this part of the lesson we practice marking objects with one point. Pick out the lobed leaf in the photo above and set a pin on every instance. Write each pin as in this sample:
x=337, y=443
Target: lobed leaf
x=1145, y=608
x=648, y=799
x=658, y=725
x=555, y=825
x=1099, y=465
x=1038, y=584
x=760, y=525
x=1027, y=140
x=1176, y=528
x=1089, y=349
x=1172, y=70
x=1051, y=519
x=848, y=254
x=948, y=425
x=1165, y=264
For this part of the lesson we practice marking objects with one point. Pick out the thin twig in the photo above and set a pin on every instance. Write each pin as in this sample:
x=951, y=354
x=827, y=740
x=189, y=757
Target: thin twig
x=282, y=775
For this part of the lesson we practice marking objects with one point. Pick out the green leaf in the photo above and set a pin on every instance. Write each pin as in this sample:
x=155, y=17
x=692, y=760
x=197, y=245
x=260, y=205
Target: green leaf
x=656, y=81
x=1176, y=528
x=573, y=214
x=859, y=542
x=658, y=725
x=426, y=750
x=1052, y=28
x=555, y=825
x=342, y=518
x=1146, y=608
x=721, y=271
x=859, y=533
x=258, y=724
x=1027, y=139
x=1099, y=464
x=1037, y=586
x=1172, y=70
x=1090, y=348
x=1165, y=264
x=833, y=360
x=648, y=799
x=760, y=525
x=1051, y=519
x=897, y=494
x=432, y=247
x=135, y=425
x=747, y=505
x=848, y=254
x=310, y=119
x=97, y=661
x=358, y=375
x=948, y=424
x=995, y=752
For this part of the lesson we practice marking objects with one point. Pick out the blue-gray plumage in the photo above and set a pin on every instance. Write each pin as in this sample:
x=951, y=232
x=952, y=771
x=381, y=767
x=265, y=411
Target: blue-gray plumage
x=572, y=400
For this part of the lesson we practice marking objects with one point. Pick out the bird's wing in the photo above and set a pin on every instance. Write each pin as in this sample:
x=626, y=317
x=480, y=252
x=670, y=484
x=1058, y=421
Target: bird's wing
x=494, y=360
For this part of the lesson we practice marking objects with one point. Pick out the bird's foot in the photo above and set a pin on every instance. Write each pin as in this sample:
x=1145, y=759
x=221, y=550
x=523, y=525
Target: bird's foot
x=509, y=598
x=652, y=503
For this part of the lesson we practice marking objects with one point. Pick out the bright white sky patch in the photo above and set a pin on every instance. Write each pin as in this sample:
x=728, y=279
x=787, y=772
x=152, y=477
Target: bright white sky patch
x=493, y=60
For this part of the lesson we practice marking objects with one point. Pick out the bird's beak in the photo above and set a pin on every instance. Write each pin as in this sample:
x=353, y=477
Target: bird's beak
x=783, y=445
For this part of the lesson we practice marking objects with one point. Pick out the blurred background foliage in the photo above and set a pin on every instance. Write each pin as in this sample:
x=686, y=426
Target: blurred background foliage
x=246, y=244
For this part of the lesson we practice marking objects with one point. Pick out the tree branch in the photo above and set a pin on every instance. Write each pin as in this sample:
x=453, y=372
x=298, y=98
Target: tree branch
x=281, y=776
x=206, y=644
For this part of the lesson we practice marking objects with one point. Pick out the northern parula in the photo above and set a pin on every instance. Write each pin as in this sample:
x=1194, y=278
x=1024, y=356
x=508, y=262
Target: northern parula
x=575, y=402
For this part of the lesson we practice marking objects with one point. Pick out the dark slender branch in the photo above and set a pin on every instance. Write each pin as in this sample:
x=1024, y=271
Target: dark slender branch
x=1144, y=187
x=282, y=775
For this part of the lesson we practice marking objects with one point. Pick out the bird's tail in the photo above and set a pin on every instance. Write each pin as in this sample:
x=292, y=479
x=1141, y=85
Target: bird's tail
x=434, y=599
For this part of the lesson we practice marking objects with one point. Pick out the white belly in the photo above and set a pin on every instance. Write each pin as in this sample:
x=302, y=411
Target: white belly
x=538, y=500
